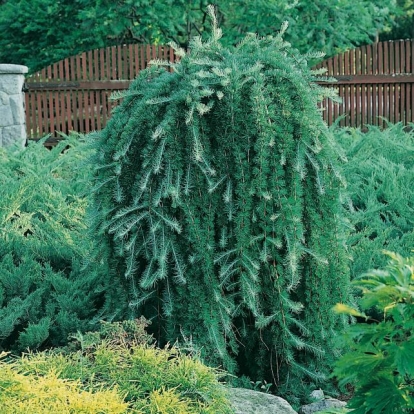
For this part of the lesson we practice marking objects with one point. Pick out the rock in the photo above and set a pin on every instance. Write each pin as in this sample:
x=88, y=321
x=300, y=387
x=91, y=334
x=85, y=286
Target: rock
x=317, y=395
x=246, y=401
x=321, y=405
x=13, y=135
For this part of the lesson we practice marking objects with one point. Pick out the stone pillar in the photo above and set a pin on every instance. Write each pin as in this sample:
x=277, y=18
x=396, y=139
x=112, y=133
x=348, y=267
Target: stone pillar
x=12, y=114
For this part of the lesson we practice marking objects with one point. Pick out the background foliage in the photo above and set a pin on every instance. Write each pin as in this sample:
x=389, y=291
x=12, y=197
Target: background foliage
x=403, y=22
x=63, y=28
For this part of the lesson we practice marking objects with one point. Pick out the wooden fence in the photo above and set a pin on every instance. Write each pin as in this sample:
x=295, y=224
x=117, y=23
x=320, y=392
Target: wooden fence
x=374, y=82
x=73, y=94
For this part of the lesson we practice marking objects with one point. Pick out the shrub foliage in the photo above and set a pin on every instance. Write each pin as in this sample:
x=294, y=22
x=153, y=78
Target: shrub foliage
x=379, y=363
x=216, y=196
x=380, y=201
x=44, y=292
x=48, y=394
x=149, y=380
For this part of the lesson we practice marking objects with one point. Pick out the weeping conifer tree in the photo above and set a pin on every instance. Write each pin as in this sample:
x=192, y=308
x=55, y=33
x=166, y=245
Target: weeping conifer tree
x=217, y=199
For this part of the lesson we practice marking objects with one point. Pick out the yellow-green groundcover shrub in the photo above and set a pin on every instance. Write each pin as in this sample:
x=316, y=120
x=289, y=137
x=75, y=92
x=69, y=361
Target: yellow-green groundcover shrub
x=111, y=374
x=49, y=394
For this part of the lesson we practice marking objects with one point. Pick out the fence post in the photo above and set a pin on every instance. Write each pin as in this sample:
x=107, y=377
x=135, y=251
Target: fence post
x=12, y=113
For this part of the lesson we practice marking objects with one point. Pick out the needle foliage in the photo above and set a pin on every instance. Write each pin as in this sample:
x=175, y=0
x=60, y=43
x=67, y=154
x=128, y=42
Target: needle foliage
x=380, y=201
x=216, y=202
x=45, y=292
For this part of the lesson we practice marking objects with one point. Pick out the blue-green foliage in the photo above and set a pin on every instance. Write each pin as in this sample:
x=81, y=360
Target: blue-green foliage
x=216, y=200
x=44, y=292
x=380, y=201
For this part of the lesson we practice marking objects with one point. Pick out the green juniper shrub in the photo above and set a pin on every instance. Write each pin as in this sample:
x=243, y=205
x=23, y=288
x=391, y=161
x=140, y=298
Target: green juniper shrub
x=380, y=200
x=216, y=200
x=379, y=362
x=150, y=380
x=44, y=292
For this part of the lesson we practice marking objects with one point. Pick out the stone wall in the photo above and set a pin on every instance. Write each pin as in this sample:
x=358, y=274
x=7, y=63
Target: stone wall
x=12, y=114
